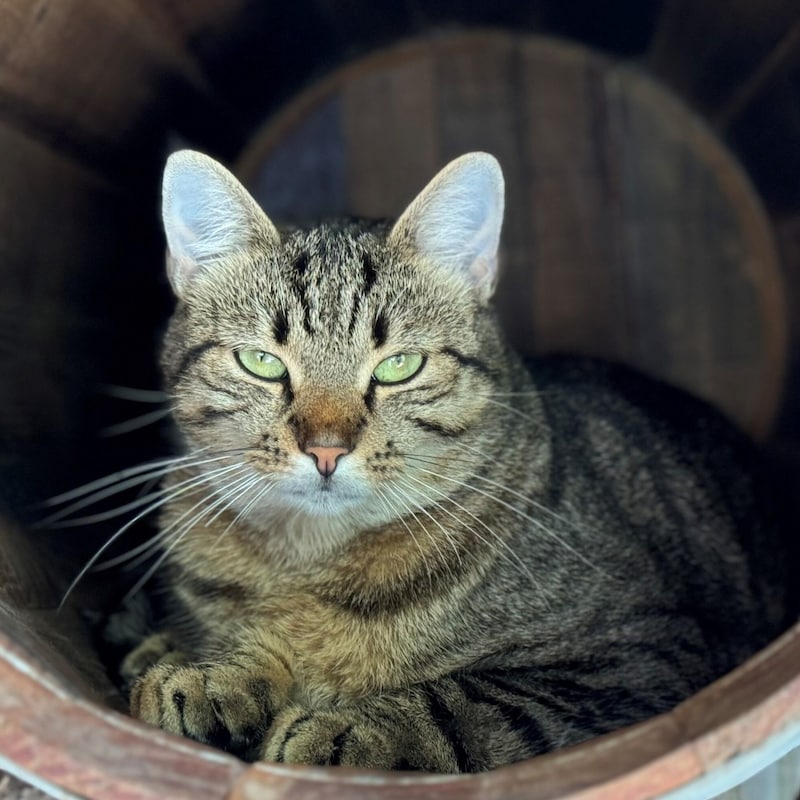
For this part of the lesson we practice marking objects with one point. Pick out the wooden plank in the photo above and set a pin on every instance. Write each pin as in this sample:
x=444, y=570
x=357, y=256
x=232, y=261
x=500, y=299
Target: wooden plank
x=787, y=231
x=45, y=200
x=73, y=296
x=763, y=694
x=86, y=105
x=480, y=88
x=739, y=63
x=700, y=257
x=190, y=19
x=376, y=111
x=47, y=731
x=577, y=294
x=606, y=768
x=580, y=147
x=765, y=136
x=641, y=762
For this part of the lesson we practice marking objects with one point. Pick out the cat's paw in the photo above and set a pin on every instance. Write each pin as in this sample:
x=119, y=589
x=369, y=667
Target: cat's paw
x=389, y=732
x=157, y=648
x=343, y=737
x=223, y=705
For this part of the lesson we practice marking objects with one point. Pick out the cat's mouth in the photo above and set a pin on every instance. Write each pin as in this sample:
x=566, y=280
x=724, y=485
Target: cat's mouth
x=318, y=495
x=328, y=495
x=302, y=489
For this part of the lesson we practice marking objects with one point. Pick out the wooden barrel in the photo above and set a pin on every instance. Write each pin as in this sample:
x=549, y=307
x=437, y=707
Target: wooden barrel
x=632, y=232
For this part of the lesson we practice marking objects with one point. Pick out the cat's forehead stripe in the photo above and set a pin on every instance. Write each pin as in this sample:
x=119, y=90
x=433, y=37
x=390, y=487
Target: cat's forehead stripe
x=370, y=272
x=380, y=329
x=280, y=326
x=297, y=284
x=301, y=263
x=329, y=268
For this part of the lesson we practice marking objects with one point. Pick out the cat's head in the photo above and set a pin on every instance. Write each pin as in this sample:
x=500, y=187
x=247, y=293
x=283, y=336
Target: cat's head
x=349, y=366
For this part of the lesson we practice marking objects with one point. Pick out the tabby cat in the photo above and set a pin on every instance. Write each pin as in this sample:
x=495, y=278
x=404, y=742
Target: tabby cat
x=391, y=543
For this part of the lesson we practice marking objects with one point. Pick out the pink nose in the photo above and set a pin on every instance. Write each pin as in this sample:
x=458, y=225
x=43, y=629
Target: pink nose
x=326, y=458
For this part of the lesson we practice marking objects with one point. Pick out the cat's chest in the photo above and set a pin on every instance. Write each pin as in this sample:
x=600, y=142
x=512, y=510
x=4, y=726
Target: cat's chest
x=336, y=652
x=354, y=627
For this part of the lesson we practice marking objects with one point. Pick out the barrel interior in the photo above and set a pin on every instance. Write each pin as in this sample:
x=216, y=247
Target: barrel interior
x=584, y=110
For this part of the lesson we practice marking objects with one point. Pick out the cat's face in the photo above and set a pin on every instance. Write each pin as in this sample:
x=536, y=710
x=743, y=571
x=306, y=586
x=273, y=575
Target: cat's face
x=343, y=366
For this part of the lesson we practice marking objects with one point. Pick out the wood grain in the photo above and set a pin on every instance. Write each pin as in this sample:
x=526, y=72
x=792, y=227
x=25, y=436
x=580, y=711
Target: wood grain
x=41, y=196
x=88, y=106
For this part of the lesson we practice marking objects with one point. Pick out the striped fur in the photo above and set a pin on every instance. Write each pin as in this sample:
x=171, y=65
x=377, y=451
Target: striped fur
x=510, y=558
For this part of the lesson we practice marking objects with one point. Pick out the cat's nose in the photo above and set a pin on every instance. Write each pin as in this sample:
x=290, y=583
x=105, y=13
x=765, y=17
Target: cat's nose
x=326, y=458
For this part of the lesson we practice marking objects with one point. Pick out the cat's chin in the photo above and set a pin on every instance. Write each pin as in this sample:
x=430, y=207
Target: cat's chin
x=305, y=491
x=313, y=512
x=297, y=528
x=323, y=501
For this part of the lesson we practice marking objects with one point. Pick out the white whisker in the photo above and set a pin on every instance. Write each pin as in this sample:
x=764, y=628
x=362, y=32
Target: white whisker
x=513, y=410
x=234, y=492
x=510, y=556
x=538, y=523
x=540, y=506
x=120, y=481
x=155, y=567
x=157, y=542
x=394, y=516
x=251, y=503
x=134, y=424
x=135, y=395
x=167, y=496
x=128, y=472
x=152, y=544
x=399, y=517
x=176, y=539
x=101, y=516
x=395, y=490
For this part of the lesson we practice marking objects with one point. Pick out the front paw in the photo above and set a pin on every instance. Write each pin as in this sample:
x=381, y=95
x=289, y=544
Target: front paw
x=391, y=732
x=155, y=649
x=330, y=737
x=223, y=705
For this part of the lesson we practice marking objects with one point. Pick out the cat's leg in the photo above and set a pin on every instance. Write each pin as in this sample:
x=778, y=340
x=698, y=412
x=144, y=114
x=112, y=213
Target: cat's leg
x=229, y=703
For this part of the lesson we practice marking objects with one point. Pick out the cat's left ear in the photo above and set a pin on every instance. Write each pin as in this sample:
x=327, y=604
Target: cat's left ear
x=208, y=217
x=455, y=221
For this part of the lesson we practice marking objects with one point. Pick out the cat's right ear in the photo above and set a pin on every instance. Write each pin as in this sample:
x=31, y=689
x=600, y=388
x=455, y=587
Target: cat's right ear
x=208, y=217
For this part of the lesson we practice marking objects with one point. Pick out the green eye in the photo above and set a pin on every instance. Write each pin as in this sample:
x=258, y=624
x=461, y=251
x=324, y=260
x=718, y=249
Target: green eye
x=398, y=368
x=261, y=364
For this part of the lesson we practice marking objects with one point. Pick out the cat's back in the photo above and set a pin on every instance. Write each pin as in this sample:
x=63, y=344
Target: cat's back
x=622, y=419
x=667, y=482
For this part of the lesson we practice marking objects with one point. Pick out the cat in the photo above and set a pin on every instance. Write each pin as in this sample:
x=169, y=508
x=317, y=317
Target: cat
x=392, y=544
